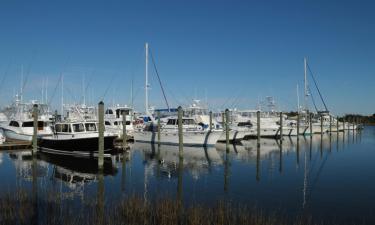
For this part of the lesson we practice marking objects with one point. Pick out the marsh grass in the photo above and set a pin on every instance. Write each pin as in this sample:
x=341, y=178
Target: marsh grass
x=20, y=208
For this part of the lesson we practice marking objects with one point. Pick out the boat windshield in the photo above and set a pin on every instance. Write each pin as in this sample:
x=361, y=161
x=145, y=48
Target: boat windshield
x=31, y=124
x=78, y=127
x=63, y=128
x=90, y=126
x=188, y=122
x=171, y=122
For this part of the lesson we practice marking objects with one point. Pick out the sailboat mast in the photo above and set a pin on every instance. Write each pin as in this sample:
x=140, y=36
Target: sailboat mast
x=146, y=82
x=298, y=99
x=305, y=82
x=62, y=96
x=42, y=101
x=131, y=94
x=46, y=95
x=21, y=94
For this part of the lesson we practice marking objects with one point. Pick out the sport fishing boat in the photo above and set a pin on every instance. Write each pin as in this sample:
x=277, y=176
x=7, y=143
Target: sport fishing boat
x=113, y=120
x=20, y=124
x=75, y=138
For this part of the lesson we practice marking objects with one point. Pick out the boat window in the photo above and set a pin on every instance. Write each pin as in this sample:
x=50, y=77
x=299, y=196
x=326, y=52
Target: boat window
x=115, y=123
x=28, y=124
x=66, y=128
x=171, y=122
x=58, y=127
x=31, y=124
x=78, y=127
x=14, y=124
x=109, y=111
x=188, y=122
x=90, y=127
x=243, y=124
x=107, y=123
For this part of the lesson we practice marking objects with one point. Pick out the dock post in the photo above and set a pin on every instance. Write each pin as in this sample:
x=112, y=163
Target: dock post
x=55, y=116
x=353, y=123
x=298, y=124
x=321, y=124
x=330, y=124
x=311, y=125
x=338, y=130
x=343, y=124
x=281, y=126
x=227, y=129
x=210, y=120
x=35, y=131
x=180, y=134
x=124, y=135
x=101, y=134
x=159, y=126
x=258, y=128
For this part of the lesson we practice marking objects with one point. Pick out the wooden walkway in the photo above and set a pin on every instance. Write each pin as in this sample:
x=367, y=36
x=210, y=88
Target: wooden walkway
x=16, y=145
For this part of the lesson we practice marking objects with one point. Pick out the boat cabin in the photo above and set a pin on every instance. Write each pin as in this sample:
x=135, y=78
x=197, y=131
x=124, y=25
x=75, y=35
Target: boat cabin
x=41, y=124
x=78, y=127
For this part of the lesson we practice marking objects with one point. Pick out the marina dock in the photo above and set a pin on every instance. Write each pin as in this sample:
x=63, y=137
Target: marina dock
x=15, y=145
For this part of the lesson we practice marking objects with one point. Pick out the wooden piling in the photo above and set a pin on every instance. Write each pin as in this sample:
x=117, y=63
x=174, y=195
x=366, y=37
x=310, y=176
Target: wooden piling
x=330, y=125
x=210, y=120
x=337, y=124
x=227, y=128
x=180, y=132
x=35, y=131
x=321, y=124
x=101, y=134
x=298, y=125
x=258, y=128
x=343, y=124
x=124, y=135
x=311, y=125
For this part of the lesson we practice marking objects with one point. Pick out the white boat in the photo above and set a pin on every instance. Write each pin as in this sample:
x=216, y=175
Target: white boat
x=20, y=125
x=113, y=120
x=202, y=117
x=2, y=136
x=193, y=134
x=269, y=126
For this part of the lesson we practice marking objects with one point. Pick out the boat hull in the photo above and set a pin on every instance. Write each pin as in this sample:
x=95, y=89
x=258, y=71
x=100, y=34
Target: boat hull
x=201, y=138
x=234, y=135
x=264, y=132
x=75, y=146
x=12, y=135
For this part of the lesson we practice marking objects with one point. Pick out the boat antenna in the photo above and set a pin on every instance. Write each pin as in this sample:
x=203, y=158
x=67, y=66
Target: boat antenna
x=42, y=91
x=298, y=98
x=21, y=91
x=161, y=85
x=306, y=85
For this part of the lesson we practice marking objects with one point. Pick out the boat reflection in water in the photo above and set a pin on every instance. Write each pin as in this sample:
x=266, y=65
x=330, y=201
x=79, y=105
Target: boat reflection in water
x=77, y=169
x=165, y=159
x=23, y=163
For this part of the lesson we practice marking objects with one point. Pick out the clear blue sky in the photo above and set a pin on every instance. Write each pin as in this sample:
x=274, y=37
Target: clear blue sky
x=232, y=52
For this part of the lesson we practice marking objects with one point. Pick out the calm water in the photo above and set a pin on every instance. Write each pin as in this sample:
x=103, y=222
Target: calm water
x=328, y=177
